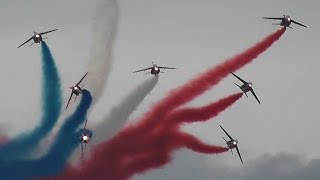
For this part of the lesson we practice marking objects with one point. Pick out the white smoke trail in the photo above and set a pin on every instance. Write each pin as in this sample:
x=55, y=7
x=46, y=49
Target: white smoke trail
x=118, y=116
x=120, y=113
x=104, y=32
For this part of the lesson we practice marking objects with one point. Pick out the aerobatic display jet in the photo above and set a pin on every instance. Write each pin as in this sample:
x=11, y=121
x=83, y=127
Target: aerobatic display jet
x=247, y=86
x=76, y=90
x=285, y=21
x=232, y=143
x=155, y=70
x=85, y=137
x=37, y=37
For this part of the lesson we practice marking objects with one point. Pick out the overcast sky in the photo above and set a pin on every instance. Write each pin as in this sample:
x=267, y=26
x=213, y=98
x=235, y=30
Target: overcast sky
x=191, y=35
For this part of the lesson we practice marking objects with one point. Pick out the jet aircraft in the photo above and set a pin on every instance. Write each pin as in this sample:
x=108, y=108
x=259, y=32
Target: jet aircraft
x=285, y=21
x=76, y=90
x=37, y=37
x=85, y=137
x=232, y=143
x=247, y=86
x=155, y=70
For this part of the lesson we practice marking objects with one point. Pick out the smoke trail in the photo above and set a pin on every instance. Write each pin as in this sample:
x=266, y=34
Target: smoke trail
x=160, y=155
x=51, y=106
x=189, y=115
x=119, y=146
x=209, y=78
x=154, y=154
x=129, y=153
x=172, y=122
x=104, y=31
x=54, y=161
x=120, y=113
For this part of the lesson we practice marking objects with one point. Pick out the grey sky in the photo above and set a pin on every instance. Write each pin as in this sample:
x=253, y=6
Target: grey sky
x=191, y=35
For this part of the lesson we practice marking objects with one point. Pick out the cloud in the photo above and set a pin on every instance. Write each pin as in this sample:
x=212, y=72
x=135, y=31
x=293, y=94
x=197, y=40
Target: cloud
x=266, y=167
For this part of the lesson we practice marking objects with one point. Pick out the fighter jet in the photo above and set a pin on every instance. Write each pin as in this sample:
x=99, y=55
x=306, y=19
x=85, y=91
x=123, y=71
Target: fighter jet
x=285, y=21
x=76, y=90
x=154, y=69
x=37, y=37
x=247, y=86
x=232, y=143
x=84, y=138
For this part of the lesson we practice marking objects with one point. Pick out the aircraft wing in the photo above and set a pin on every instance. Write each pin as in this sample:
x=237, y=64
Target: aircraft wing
x=142, y=70
x=161, y=67
x=226, y=132
x=243, y=81
x=69, y=99
x=275, y=18
x=48, y=32
x=254, y=94
x=25, y=42
x=81, y=79
x=238, y=151
x=298, y=23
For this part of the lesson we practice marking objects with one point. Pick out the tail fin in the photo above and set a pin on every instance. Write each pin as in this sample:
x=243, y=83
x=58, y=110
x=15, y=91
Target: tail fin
x=237, y=85
x=224, y=139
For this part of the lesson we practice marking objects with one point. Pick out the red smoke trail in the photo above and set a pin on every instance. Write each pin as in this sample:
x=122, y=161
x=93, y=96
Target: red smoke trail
x=158, y=155
x=209, y=78
x=161, y=156
x=201, y=114
x=110, y=158
x=171, y=121
x=176, y=118
x=126, y=155
x=135, y=140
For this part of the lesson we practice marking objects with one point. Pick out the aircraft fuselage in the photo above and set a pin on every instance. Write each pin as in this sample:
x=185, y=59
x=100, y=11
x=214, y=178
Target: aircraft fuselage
x=37, y=38
x=232, y=144
x=286, y=21
x=85, y=135
x=246, y=87
x=76, y=90
x=155, y=70
x=85, y=138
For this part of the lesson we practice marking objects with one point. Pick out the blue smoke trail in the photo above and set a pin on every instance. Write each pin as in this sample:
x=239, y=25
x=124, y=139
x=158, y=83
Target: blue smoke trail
x=22, y=145
x=55, y=160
